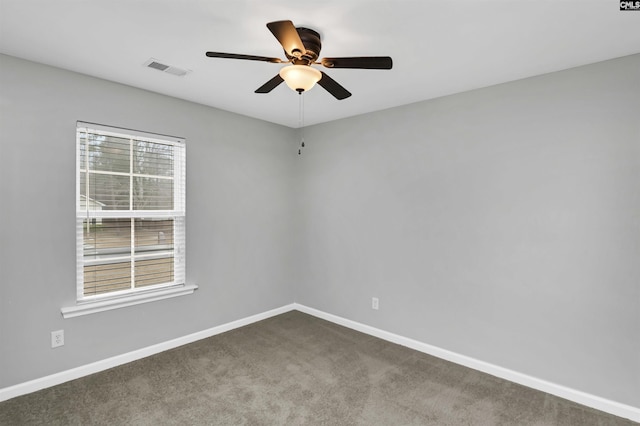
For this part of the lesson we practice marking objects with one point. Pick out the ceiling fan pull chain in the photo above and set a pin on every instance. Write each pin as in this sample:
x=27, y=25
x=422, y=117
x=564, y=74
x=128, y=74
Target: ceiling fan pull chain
x=301, y=121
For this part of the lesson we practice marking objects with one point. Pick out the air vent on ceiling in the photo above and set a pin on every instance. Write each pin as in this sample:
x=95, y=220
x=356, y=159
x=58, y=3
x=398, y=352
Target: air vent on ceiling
x=170, y=69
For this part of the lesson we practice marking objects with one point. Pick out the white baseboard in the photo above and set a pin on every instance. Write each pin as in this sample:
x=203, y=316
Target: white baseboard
x=583, y=398
x=95, y=367
x=602, y=404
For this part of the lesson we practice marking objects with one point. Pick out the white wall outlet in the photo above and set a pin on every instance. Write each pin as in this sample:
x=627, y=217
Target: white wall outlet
x=375, y=303
x=57, y=338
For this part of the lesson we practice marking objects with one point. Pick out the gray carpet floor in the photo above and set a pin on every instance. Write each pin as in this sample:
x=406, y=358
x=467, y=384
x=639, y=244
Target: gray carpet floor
x=294, y=369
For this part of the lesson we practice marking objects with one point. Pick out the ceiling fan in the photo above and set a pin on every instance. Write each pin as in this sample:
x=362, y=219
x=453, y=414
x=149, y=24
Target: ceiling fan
x=302, y=48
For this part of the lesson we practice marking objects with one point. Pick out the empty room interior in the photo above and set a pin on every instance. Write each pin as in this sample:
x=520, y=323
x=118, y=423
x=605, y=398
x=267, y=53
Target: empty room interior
x=442, y=228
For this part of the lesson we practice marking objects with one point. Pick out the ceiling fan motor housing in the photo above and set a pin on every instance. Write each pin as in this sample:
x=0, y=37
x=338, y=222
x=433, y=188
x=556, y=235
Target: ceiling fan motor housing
x=312, y=44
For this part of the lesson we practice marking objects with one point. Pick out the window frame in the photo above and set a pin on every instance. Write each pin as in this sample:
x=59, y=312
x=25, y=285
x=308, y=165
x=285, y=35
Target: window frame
x=131, y=296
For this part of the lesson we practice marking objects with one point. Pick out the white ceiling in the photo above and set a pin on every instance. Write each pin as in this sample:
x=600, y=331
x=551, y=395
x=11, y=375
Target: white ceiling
x=438, y=47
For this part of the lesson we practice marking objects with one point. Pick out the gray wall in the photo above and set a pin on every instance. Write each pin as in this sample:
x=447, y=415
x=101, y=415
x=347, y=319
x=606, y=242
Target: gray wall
x=502, y=224
x=238, y=217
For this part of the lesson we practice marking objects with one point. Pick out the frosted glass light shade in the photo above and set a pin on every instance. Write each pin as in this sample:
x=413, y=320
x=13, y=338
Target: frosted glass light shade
x=300, y=77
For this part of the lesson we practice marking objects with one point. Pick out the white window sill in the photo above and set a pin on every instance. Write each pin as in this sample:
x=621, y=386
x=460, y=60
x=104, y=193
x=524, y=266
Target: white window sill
x=86, y=308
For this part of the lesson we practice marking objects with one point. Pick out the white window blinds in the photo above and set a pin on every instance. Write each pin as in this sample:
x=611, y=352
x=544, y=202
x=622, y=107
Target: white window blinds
x=130, y=211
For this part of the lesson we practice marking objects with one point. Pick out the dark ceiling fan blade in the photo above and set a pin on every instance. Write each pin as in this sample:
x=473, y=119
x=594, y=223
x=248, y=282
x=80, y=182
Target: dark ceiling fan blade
x=270, y=85
x=288, y=37
x=333, y=87
x=247, y=57
x=359, y=62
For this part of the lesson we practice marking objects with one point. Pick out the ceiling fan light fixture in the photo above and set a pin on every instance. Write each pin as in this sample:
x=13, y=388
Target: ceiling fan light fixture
x=300, y=77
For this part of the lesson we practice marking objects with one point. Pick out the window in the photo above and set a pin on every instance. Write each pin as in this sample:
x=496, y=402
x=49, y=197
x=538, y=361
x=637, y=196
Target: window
x=130, y=213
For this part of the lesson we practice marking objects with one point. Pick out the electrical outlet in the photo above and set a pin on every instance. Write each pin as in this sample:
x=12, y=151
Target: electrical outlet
x=374, y=303
x=57, y=338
